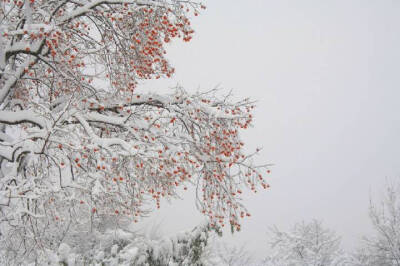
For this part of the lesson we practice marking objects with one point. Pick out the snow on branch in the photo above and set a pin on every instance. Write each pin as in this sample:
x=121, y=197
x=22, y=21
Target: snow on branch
x=80, y=143
x=26, y=116
x=80, y=11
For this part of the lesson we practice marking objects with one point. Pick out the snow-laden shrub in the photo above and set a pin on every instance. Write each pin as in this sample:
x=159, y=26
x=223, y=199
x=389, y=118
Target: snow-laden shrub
x=120, y=247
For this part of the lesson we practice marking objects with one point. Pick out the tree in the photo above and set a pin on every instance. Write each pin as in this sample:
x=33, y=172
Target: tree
x=231, y=255
x=79, y=142
x=384, y=247
x=307, y=244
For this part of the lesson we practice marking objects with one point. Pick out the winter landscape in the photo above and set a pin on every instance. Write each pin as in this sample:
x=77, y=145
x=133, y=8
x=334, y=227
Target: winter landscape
x=171, y=132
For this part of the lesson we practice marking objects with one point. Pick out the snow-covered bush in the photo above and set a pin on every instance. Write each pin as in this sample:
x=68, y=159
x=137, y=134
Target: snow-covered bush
x=120, y=247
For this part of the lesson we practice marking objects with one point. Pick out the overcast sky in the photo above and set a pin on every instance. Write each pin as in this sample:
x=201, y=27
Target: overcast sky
x=326, y=78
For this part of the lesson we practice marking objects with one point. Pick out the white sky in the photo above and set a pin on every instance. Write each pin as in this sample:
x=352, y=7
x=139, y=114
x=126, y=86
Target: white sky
x=326, y=78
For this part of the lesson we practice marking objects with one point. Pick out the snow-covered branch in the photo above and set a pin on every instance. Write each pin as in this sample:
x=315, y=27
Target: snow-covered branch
x=79, y=141
x=80, y=11
x=25, y=116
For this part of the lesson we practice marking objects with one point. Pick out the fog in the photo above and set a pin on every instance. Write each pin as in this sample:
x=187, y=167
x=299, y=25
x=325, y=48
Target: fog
x=325, y=78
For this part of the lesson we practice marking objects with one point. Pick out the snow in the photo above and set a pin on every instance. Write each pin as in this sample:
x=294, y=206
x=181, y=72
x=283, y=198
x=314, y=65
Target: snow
x=104, y=142
x=119, y=247
x=6, y=152
x=11, y=80
x=2, y=52
x=23, y=46
x=129, y=254
x=4, y=197
x=76, y=154
x=64, y=251
x=96, y=117
x=32, y=28
x=99, y=256
x=28, y=13
x=97, y=188
x=89, y=6
x=25, y=211
x=114, y=250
